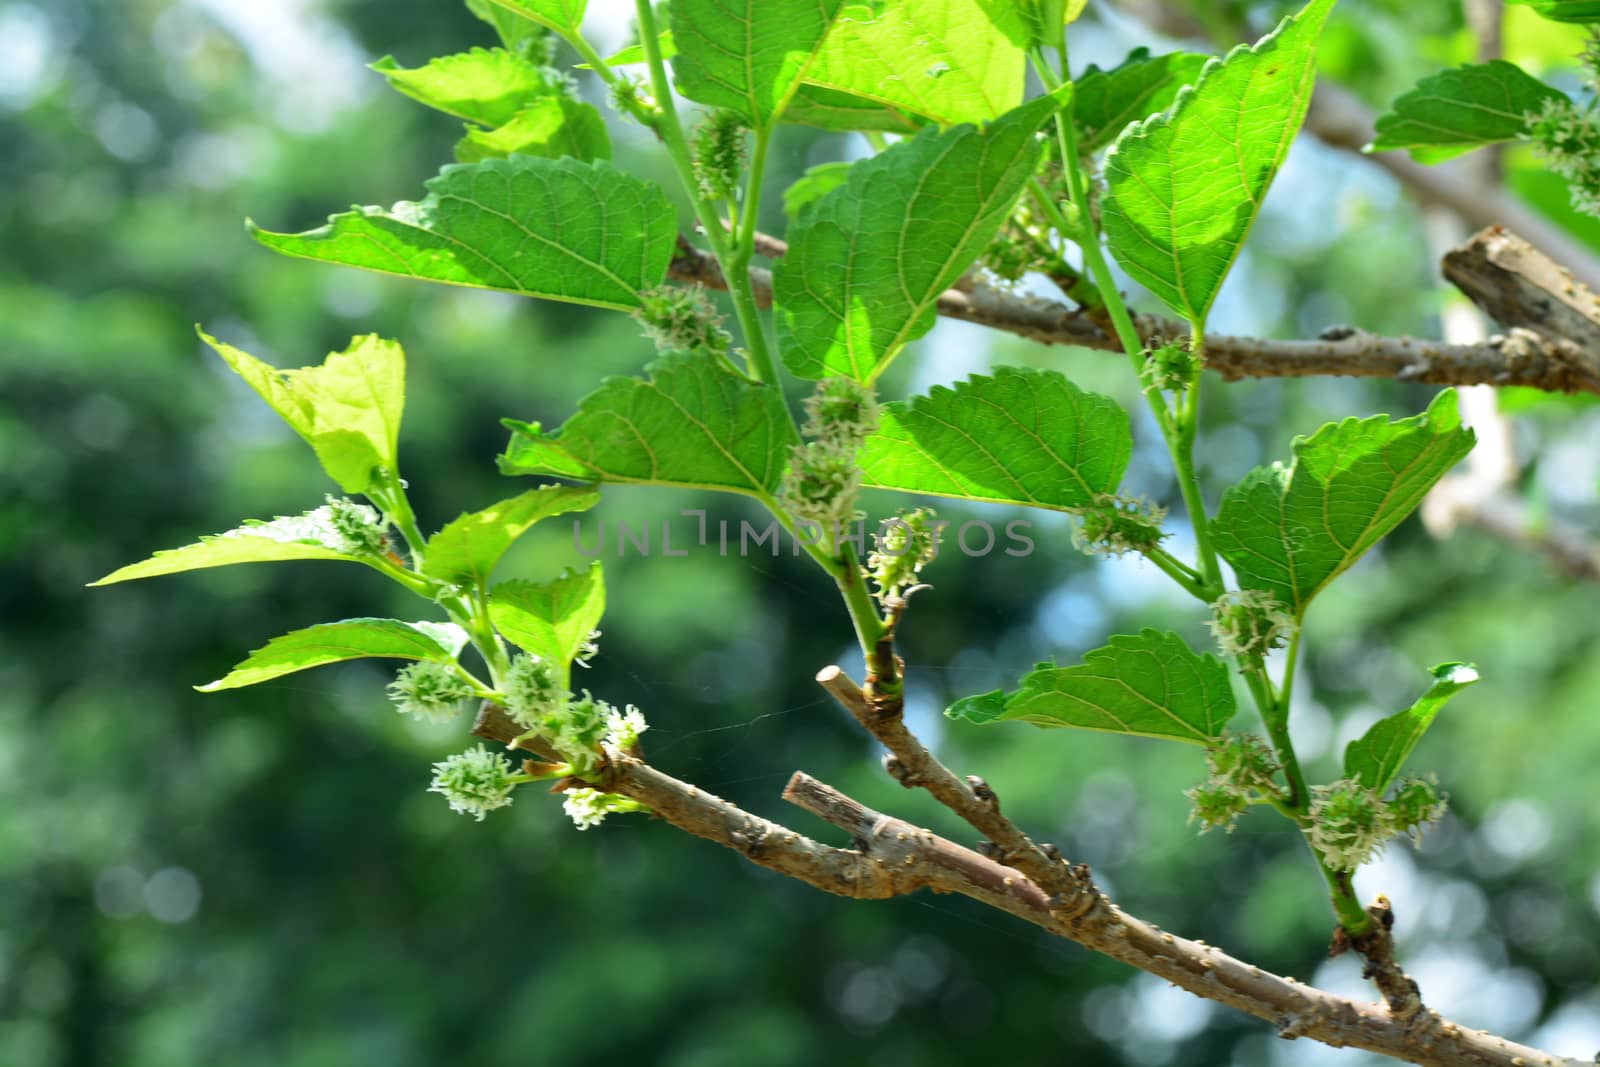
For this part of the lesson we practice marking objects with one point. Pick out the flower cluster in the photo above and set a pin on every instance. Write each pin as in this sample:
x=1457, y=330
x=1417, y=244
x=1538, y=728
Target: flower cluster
x=1250, y=622
x=823, y=478
x=906, y=544
x=719, y=155
x=680, y=319
x=624, y=727
x=429, y=690
x=532, y=696
x=1170, y=368
x=475, y=782
x=1566, y=138
x=1118, y=524
x=340, y=524
x=589, y=807
x=1351, y=822
x=1242, y=770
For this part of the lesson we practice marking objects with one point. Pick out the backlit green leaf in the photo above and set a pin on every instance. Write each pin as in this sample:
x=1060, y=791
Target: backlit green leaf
x=335, y=642
x=635, y=53
x=946, y=60
x=486, y=85
x=747, y=55
x=1184, y=187
x=553, y=127
x=867, y=261
x=563, y=16
x=829, y=109
x=1151, y=684
x=1457, y=110
x=1377, y=756
x=223, y=550
x=1019, y=437
x=1565, y=10
x=816, y=183
x=1104, y=102
x=1291, y=531
x=552, y=620
x=466, y=550
x=692, y=422
x=555, y=228
x=347, y=409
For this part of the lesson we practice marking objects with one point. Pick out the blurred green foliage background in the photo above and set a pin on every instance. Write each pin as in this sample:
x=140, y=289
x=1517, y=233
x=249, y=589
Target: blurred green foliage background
x=259, y=878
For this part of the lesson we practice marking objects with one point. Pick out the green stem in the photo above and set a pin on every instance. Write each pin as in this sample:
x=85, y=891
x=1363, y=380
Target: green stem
x=670, y=130
x=1188, y=426
x=391, y=499
x=1346, y=906
x=1178, y=571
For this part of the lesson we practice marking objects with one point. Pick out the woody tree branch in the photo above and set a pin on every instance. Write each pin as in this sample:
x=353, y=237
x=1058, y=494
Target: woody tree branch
x=891, y=858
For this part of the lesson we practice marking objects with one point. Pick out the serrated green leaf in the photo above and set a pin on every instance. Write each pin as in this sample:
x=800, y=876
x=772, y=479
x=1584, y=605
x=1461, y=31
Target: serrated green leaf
x=1020, y=437
x=829, y=109
x=486, y=85
x=517, y=32
x=552, y=620
x=223, y=550
x=553, y=127
x=555, y=228
x=747, y=55
x=347, y=409
x=335, y=642
x=946, y=60
x=1455, y=111
x=1291, y=531
x=1104, y=102
x=867, y=261
x=1565, y=10
x=692, y=423
x=1151, y=684
x=563, y=16
x=1183, y=188
x=1375, y=758
x=813, y=185
x=466, y=550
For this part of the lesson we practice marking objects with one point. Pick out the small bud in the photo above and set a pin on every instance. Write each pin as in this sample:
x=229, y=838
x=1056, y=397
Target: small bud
x=577, y=730
x=1117, y=525
x=532, y=697
x=1215, y=806
x=588, y=650
x=589, y=807
x=1242, y=770
x=681, y=319
x=1417, y=804
x=475, y=782
x=842, y=412
x=719, y=155
x=1170, y=368
x=905, y=544
x=429, y=690
x=1566, y=138
x=1349, y=823
x=1250, y=622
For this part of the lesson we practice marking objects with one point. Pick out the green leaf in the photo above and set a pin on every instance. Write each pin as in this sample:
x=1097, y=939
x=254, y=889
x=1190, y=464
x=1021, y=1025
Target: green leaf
x=813, y=185
x=692, y=423
x=1455, y=111
x=486, y=85
x=348, y=409
x=555, y=228
x=1152, y=684
x=466, y=550
x=1565, y=10
x=829, y=109
x=563, y=16
x=1183, y=188
x=553, y=127
x=867, y=261
x=335, y=642
x=223, y=550
x=552, y=620
x=1019, y=437
x=1291, y=531
x=517, y=32
x=1377, y=755
x=748, y=55
x=635, y=53
x=1104, y=102
x=946, y=60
